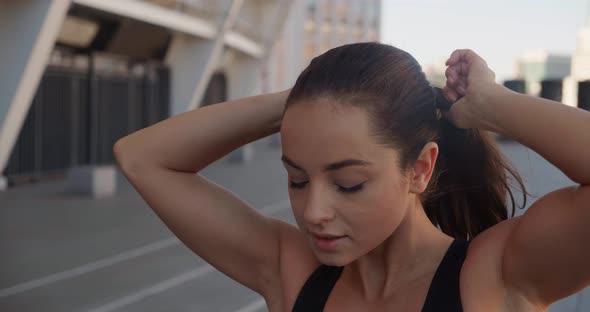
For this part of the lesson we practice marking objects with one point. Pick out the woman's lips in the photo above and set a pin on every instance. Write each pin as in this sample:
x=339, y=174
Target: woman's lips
x=327, y=242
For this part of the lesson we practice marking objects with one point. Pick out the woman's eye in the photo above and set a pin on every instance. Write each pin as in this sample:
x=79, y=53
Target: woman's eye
x=341, y=189
x=353, y=189
x=297, y=185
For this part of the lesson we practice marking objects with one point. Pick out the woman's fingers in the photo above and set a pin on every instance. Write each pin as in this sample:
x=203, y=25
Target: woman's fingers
x=452, y=74
x=462, y=88
x=465, y=55
x=455, y=79
x=453, y=92
x=450, y=94
x=456, y=56
x=463, y=68
x=462, y=62
x=457, y=71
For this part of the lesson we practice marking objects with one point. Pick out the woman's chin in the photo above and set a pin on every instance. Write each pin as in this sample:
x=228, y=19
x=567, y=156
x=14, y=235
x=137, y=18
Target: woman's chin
x=333, y=259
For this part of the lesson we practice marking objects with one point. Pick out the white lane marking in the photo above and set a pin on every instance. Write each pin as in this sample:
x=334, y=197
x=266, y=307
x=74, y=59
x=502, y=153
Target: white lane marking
x=254, y=306
x=124, y=256
x=158, y=288
x=89, y=267
x=179, y=279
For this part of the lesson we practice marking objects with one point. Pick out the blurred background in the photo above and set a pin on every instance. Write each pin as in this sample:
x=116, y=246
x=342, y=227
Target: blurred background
x=78, y=75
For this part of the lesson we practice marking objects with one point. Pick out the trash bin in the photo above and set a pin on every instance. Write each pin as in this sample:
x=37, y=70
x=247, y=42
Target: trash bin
x=517, y=85
x=551, y=89
x=584, y=95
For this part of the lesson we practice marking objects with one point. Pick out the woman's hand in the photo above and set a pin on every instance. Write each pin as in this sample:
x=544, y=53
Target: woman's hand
x=469, y=82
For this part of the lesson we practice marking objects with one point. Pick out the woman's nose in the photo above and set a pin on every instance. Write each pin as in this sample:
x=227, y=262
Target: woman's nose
x=318, y=207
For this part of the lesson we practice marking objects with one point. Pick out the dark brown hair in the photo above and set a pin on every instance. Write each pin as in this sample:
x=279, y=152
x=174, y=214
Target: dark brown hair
x=468, y=190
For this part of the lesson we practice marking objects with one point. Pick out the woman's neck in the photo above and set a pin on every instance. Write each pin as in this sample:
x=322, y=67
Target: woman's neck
x=413, y=251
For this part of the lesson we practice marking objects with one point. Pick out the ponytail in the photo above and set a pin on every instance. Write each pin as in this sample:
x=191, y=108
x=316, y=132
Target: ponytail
x=468, y=190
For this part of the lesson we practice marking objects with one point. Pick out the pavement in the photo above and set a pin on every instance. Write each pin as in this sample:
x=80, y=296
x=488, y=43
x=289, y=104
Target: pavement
x=64, y=252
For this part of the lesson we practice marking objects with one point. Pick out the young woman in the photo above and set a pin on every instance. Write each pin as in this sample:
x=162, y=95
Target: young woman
x=400, y=203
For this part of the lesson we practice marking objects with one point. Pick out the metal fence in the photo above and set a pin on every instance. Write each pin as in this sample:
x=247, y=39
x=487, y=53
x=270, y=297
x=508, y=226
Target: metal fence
x=584, y=95
x=77, y=115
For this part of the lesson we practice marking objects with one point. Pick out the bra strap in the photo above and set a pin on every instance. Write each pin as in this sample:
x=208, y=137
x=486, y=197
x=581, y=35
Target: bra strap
x=314, y=294
x=444, y=290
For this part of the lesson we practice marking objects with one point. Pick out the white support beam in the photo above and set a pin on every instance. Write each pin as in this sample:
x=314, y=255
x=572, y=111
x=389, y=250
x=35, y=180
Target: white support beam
x=154, y=14
x=173, y=20
x=244, y=44
x=294, y=43
x=283, y=17
x=193, y=61
x=243, y=76
x=335, y=24
x=277, y=24
x=28, y=30
x=319, y=24
x=187, y=56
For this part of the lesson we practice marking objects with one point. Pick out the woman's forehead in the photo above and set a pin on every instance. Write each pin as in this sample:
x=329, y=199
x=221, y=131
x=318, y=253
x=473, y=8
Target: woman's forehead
x=310, y=138
x=317, y=126
x=324, y=118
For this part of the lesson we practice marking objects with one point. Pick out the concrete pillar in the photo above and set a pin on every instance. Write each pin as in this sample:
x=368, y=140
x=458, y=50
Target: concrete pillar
x=28, y=30
x=96, y=181
x=193, y=61
x=335, y=24
x=570, y=91
x=287, y=56
x=240, y=84
x=580, y=67
x=294, y=58
x=319, y=23
x=188, y=58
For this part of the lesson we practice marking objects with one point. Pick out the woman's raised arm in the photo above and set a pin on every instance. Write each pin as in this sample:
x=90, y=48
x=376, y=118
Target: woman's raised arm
x=162, y=161
x=546, y=255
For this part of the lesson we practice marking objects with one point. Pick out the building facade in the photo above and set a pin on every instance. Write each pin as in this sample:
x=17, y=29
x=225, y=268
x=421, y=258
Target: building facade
x=536, y=66
x=81, y=72
x=580, y=70
x=315, y=26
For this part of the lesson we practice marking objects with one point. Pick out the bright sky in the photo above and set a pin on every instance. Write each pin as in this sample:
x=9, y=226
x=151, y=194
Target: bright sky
x=498, y=30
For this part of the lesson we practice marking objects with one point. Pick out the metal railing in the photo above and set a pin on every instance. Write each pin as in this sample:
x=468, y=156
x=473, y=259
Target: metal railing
x=77, y=115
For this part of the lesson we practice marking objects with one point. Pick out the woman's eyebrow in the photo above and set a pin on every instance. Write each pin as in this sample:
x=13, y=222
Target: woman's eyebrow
x=331, y=167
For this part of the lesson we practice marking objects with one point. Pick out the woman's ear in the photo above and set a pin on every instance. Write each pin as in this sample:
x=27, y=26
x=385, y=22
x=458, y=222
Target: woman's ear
x=423, y=168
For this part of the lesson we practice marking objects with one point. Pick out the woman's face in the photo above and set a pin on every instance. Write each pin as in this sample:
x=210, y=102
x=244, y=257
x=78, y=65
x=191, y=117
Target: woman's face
x=347, y=193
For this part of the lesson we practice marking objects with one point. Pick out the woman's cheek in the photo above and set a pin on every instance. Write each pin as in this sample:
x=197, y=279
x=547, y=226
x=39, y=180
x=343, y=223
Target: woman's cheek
x=297, y=209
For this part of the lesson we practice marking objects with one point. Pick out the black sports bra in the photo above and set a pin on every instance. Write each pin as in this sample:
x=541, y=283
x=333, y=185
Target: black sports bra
x=443, y=294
